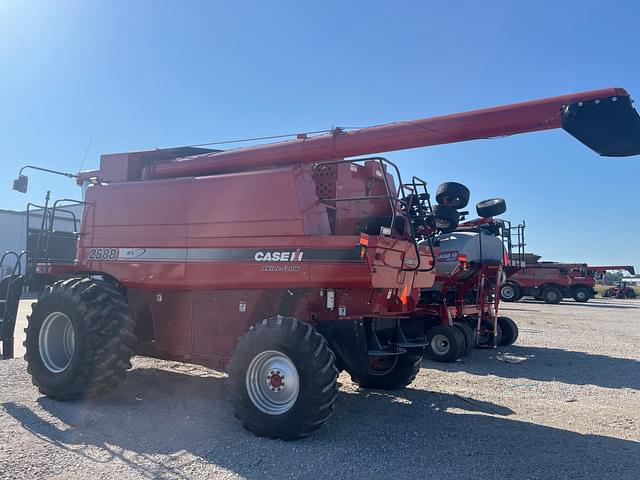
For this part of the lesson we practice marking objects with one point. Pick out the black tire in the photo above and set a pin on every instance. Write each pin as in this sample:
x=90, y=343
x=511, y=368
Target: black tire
x=510, y=292
x=316, y=379
x=632, y=294
x=103, y=339
x=446, y=343
x=469, y=336
x=452, y=194
x=581, y=294
x=552, y=295
x=400, y=373
x=491, y=208
x=508, y=331
x=446, y=218
x=488, y=340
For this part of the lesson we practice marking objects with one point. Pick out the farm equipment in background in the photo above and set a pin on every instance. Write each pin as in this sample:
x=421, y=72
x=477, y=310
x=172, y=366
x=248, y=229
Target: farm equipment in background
x=461, y=309
x=549, y=281
x=621, y=290
x=278, y=262
x=10, y=291
x=553, y=281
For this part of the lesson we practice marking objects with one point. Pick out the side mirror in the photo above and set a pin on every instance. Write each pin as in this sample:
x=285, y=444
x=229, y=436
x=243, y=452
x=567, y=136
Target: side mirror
x=20, y=184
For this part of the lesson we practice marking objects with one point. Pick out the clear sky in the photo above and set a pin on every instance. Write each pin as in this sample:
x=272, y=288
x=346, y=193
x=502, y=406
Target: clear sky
x=131, y=75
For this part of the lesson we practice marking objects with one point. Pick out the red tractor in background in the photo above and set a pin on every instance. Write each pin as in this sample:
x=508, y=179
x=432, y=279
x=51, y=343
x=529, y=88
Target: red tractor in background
x=279, y=263
x=621, y=290
x=553, y=281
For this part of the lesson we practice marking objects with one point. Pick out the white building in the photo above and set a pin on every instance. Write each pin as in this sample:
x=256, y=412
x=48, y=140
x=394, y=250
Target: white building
x=13, y=231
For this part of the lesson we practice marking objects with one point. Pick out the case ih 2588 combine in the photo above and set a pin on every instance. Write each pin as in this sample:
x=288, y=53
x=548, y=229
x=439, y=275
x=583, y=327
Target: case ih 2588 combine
x=281, y=263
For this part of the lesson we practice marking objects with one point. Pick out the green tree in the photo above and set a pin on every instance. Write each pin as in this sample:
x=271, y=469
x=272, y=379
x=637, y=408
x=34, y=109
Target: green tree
x=611, y=278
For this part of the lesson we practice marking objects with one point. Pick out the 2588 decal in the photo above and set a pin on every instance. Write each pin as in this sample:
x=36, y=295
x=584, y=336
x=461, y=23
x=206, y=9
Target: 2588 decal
x=103, y=253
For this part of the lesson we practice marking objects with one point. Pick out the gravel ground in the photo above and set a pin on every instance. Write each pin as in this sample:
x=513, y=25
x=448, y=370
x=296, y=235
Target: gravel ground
x=564, y=402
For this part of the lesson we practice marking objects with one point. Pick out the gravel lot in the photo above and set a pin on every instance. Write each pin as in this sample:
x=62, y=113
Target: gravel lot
x=564, y=402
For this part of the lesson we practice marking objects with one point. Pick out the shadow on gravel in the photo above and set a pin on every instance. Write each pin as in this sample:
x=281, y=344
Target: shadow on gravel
x=166, y=425
x=549, y=364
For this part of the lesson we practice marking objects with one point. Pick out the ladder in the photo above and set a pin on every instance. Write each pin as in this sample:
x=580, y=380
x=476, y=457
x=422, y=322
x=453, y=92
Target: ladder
x=10, y=291
x=513, y=239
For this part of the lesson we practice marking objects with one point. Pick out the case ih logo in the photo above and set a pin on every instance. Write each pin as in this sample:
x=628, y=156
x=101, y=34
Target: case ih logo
x=450, y=256
x=290, y=256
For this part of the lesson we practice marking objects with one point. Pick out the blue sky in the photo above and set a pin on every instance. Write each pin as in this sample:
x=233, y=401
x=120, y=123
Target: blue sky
x=135, y=75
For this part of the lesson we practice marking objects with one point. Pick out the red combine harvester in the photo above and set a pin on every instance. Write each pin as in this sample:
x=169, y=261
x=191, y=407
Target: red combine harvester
x=554, y=281
x=278, y=262
x=461, y=309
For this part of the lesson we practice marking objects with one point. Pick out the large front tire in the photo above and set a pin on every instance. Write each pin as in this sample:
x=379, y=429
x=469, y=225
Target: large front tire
x=400, y=373
x=79, y=339
x=283, y=379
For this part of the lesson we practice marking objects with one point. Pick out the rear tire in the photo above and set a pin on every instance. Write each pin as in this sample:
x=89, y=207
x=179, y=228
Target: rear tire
x=79, y=339
x=552, y=295
x=446, y=343
x=402, y=374
x=469, y=336
x=283, y=379
x=510, y=292
x=581, y=294
x=509, y=331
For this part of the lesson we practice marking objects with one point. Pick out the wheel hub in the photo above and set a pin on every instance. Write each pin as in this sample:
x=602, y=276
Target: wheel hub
x=440, y=344
x=56, y=342
x=272, y=382
x=275, y=380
